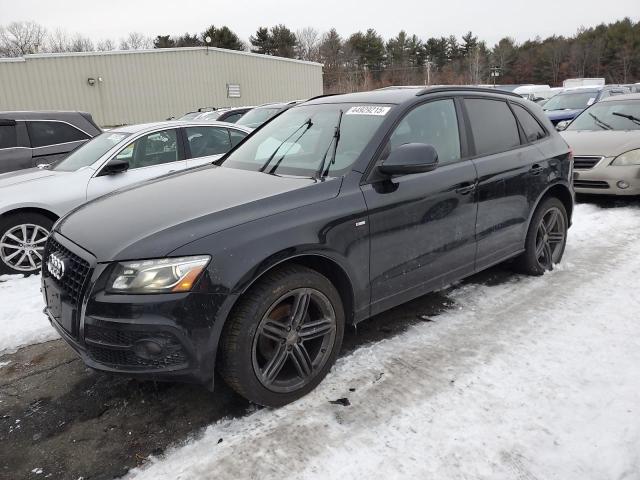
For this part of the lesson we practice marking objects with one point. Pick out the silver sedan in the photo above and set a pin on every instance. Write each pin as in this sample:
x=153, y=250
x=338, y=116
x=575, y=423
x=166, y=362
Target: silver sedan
x=605, y=139
x=32, y=200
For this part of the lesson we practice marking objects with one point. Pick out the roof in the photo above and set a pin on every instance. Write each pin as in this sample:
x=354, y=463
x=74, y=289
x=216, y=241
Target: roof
x=151, y=52
x=39, y=114
x=143, y=127
x=626, y=96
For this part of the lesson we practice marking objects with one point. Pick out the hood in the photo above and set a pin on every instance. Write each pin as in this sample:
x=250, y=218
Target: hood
x=27, y=175
x=559, y=115
x=154, y=218
x=603, y=143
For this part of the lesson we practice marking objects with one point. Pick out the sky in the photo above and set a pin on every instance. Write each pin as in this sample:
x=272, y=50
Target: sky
x=490, y=20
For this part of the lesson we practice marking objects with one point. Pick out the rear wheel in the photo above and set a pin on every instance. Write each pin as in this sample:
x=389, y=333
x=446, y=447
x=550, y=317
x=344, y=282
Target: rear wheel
x=283, y=337
x=546, y=238
x=22, y=240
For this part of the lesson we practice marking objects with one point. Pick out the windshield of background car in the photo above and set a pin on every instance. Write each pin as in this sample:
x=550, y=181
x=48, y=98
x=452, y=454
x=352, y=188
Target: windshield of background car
x=571, y=101
x=256, y=117
x=302, y=140
x=614, y=115
x=190, y=115
x=91, y=151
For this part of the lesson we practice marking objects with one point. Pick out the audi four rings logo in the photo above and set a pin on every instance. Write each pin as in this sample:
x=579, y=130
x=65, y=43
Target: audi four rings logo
x=55, y=265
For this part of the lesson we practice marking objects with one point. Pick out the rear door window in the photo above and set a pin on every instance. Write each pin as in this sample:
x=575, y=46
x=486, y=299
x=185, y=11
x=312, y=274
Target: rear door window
x=236, y=136
x=493, y=126
x=8, y=136
x=532, y=129
x=44, y=133
x=205, y=141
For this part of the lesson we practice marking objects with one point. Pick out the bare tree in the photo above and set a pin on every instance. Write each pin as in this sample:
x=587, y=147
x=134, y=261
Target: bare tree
x=106, y=45
x=58, y=42
x=308, y=44
x=21, y=38
x=135, y=41
x=81, y=44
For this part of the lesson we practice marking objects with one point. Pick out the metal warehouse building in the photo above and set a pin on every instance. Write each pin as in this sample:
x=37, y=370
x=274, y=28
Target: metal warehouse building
x=124, y=87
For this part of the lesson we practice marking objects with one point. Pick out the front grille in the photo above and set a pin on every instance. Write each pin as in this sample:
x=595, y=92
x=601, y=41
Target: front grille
x=590, y=184
x=585, y=163
x=76, y=270
x=116, y=347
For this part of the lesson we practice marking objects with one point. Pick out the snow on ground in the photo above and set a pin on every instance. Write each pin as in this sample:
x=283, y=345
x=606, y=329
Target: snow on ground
x=537, y=378
x=21, y=316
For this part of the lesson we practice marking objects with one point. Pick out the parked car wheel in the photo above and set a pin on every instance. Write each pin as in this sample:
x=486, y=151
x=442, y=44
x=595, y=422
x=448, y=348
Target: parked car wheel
x=546, y=238
x=22, y=240
x=283, y=337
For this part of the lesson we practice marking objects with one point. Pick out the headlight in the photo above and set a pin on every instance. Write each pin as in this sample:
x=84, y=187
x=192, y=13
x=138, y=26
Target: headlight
x=162, y=275
x=631, y=157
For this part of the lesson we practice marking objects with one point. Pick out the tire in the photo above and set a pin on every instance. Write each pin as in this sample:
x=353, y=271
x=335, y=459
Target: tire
x=266, y=363
x=544, y=247
x=12, y=228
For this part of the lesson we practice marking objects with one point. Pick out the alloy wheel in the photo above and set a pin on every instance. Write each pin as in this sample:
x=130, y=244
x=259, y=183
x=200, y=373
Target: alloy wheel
x=294, y=340
x=22, y=247
x=550, y=238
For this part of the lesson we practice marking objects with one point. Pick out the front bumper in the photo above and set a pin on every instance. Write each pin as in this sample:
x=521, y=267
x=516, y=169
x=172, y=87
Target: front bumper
x=603, y=179
x=158, y=337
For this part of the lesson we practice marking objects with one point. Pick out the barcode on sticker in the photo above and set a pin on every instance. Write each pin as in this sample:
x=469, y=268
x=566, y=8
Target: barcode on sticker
x=368, y=110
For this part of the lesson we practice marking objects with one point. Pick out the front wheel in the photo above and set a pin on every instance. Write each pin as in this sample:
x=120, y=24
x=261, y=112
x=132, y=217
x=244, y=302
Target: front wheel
x=283, y=337
x=546, y=238
x=22, y=240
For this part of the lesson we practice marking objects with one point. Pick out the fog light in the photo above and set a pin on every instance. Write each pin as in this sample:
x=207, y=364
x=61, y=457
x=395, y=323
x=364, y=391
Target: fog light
x=622, y=184
x=148, y=349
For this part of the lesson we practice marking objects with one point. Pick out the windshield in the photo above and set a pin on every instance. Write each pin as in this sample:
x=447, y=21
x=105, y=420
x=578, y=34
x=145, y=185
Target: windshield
x=256, y=117
x=91, y=151
x=622, y=115
x=310, y=141
x=571, y=101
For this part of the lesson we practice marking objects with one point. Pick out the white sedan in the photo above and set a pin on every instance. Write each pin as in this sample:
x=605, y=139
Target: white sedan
x=32, y=200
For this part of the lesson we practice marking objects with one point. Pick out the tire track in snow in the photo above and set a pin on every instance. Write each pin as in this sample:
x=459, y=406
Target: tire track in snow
x=387, y=432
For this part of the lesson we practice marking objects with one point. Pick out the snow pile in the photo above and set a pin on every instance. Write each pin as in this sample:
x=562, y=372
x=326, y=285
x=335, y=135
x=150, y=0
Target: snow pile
x=534, y=378
x=21, y=316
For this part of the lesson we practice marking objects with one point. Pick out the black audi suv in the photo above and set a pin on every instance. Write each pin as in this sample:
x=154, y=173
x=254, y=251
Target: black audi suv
x=335, y=210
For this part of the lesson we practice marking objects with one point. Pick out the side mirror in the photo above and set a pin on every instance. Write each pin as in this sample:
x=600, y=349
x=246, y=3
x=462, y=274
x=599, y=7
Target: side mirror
x=115, y=166
x=560, y=126
x=410, y=158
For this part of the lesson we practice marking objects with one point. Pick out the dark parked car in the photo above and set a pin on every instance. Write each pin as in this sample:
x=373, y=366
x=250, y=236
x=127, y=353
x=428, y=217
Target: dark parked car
x=28, y=139
x=335, y=210
x=569, y=103
x=259, y=115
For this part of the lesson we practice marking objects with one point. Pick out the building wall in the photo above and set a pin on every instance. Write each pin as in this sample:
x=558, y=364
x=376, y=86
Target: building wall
x=151, y=85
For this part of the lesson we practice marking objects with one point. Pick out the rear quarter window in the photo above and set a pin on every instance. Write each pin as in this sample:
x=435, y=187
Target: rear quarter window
x=8, y=136
x=532, y=129
x=493, y=126
x=43, y=133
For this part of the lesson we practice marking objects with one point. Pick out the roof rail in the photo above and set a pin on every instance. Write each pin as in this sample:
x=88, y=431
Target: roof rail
x=466, y=89
x=322, y=96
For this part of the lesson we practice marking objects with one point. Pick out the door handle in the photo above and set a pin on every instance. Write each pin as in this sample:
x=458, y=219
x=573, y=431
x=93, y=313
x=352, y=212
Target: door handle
x=466, y=188
x=536, y=169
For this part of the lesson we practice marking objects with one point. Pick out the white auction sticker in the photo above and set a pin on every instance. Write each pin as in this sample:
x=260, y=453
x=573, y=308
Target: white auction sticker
x=368, y=110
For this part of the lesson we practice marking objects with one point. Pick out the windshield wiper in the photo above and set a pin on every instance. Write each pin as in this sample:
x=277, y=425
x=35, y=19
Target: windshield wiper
x=306, y=123
x=628, y=116
x=334, y=141
x=600, y=123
